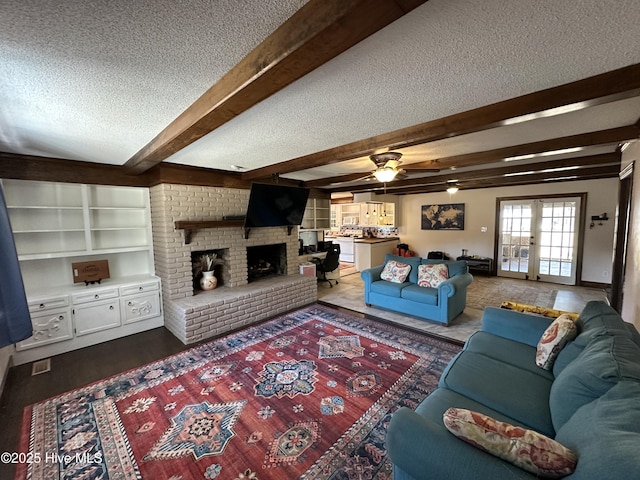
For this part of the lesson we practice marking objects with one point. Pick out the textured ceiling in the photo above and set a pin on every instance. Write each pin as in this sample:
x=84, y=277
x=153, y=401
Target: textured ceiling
x=96, y=81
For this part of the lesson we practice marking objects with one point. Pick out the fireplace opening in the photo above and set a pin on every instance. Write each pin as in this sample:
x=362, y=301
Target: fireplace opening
x=219, y=259
x=266, y=261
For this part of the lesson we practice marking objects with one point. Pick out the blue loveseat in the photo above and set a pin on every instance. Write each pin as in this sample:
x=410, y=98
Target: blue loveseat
x=441, y=304
x=589, y=401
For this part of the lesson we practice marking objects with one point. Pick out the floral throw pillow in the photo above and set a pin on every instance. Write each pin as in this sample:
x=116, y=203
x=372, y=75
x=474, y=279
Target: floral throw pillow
x=524, y=448
x=432, y=275
x=395, y=272
x=554, y=338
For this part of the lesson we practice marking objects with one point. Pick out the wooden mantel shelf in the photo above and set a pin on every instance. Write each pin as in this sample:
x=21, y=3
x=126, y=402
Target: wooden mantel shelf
x=189, y=226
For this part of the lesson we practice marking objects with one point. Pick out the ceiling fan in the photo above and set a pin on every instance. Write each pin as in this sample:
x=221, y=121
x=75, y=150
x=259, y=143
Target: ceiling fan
x=388, y=167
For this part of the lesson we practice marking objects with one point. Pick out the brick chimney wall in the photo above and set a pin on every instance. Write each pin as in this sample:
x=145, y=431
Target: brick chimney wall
x=169, y=203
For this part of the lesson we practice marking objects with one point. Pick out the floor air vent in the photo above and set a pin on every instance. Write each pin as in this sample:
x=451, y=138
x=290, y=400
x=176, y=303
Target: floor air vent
x=41, y=366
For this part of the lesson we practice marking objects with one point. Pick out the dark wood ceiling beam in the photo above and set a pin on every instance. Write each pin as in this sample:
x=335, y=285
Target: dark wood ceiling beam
x=605, y=171
x=590, y=139
x=47, y=169
x=604, y=88
x=315, y=34
x=492, y=173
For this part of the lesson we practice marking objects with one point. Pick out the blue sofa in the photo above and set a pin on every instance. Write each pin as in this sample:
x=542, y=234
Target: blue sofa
x=589, y=401
x=441, y=304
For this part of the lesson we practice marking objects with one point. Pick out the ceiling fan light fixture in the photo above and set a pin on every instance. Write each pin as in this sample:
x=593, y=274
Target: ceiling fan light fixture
x=452, y=189
x=385, y=174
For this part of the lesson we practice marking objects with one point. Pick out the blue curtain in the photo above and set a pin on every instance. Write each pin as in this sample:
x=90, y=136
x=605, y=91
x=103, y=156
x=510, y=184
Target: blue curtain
x=15, y=321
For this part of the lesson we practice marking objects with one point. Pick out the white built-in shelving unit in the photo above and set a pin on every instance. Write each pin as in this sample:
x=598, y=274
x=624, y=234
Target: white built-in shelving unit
x=57, y=224
x=317, y=214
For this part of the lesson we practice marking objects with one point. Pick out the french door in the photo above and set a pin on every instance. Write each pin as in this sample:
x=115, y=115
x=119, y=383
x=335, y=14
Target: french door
x=539, y=238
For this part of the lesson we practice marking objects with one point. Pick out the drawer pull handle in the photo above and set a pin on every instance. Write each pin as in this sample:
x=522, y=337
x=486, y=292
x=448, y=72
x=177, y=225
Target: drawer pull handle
x=140, y=289
x=130, y=304
x=96, y=296
x=110, y=307
x=60, y=317
x=42, y=305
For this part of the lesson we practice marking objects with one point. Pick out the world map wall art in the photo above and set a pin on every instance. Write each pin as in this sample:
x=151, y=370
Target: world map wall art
x=448, y=216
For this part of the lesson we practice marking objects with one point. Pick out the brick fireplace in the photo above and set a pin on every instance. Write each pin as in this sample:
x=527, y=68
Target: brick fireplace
x=193, y=315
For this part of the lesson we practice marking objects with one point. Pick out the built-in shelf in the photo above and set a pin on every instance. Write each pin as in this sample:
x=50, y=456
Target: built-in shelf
x=189, y=226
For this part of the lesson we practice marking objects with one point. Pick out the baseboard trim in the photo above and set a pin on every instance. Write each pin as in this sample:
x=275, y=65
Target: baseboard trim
x=603, y=286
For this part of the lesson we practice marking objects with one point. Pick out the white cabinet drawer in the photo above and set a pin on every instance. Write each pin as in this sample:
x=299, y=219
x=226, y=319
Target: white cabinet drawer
x=96, y=316
x=140, y=307
x=95, y=295
x=50, y=327
x=37, y=305
x=140, y=288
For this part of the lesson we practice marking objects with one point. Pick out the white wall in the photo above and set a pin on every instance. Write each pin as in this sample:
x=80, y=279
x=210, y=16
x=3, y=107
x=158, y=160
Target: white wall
x=480, y=207
x=5, y=356
x=630, y=303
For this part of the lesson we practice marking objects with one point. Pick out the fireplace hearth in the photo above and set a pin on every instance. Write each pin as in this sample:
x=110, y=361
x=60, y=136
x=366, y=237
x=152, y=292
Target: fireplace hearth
x=264, y=261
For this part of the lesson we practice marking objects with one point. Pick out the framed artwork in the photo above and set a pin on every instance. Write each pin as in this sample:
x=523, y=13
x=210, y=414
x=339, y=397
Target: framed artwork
x=448, y=216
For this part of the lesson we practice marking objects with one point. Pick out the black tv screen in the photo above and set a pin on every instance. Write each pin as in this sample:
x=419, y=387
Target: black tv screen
x=275, y=205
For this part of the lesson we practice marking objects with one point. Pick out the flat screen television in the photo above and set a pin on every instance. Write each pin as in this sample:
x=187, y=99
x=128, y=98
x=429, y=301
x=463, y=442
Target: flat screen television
x=275, y=205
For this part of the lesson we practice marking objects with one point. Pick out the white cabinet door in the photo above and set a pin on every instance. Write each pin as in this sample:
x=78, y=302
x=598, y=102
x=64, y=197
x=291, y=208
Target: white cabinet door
x=96, y=316
x=347, y=250
x=50, y=326
x=140, y=307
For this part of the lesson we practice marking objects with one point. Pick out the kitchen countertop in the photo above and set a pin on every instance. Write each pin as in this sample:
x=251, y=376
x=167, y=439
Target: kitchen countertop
x=376, y=240
x=362, y=239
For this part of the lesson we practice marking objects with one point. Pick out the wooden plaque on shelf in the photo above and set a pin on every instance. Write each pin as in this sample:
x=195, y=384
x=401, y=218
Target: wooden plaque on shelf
x=90, y=272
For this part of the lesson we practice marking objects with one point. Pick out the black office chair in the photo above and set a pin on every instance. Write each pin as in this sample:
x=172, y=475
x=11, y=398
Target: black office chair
x=329, y=264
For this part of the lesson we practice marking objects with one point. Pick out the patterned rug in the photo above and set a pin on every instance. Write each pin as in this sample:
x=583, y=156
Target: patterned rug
x=492, y=291
x=306, y=395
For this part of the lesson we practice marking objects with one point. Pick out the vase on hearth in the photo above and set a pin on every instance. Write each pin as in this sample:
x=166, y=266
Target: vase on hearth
x=208, y=281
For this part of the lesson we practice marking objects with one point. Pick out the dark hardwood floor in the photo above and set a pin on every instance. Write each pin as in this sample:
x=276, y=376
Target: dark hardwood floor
x=72, y=370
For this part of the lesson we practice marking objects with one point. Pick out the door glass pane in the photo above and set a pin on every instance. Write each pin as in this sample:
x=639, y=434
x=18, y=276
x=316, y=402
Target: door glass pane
x=556, y=238
x=515, y=234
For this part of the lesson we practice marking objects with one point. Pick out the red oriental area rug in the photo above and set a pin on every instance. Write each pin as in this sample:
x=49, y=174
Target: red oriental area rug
x=306, y=395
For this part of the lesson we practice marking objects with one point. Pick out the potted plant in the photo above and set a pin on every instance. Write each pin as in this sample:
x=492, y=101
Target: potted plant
x=208, y=261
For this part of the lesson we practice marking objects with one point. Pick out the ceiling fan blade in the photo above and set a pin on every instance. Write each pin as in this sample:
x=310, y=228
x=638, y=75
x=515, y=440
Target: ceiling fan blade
x=420, y=170
x=354, y=177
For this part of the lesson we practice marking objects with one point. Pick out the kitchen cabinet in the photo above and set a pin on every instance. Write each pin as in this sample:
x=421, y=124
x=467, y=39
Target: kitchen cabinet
x=377, y=214
x=370, y=253
x=349, y=214
x=370, y=214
